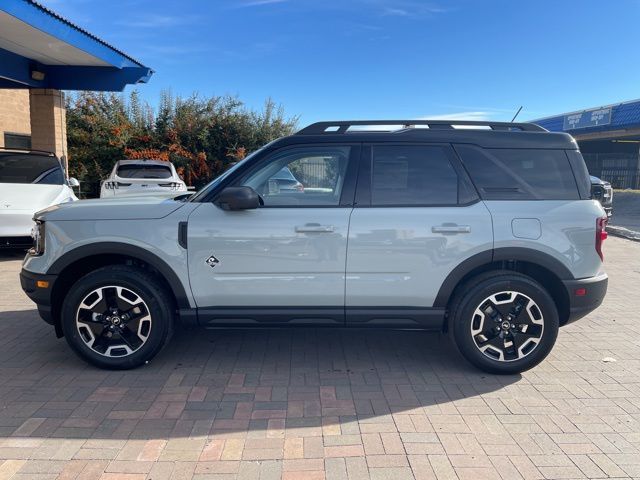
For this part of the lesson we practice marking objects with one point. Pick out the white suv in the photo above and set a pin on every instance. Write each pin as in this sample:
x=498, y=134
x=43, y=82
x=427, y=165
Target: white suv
x=487, y=233
x=142, y=177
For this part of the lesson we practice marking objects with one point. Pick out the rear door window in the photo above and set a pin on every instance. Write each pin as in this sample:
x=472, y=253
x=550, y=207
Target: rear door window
x=414, y=175
x=520, y=174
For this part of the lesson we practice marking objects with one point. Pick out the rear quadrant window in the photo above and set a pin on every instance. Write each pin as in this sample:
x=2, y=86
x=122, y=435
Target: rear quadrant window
x=520, y=174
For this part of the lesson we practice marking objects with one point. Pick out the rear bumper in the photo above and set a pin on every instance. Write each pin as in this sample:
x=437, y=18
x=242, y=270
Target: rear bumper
x=585, y=295
x=41, y=296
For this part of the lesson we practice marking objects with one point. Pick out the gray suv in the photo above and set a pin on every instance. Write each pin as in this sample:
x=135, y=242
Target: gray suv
x=486, y=232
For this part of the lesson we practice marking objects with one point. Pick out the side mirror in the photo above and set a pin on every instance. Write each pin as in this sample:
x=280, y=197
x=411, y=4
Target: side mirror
x=73, y=182
x=238, y=198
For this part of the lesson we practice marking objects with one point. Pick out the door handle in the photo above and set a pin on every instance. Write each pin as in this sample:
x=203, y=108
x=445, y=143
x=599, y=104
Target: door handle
x=314, y=228
x=451, y=229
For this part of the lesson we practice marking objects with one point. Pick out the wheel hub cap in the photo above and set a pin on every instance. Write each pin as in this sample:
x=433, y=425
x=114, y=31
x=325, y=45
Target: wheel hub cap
x=113, y=321
x=507, y=326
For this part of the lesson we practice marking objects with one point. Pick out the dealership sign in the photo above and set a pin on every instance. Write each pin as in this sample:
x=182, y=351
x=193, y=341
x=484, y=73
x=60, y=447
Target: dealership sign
x=588, y=118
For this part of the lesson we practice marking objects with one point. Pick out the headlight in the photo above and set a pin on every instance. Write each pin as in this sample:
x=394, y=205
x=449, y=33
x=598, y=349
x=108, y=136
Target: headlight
x=37, y=232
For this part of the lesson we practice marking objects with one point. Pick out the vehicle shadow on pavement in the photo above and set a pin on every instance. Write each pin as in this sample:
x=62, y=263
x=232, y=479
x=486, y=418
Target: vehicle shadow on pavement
x=270, y=384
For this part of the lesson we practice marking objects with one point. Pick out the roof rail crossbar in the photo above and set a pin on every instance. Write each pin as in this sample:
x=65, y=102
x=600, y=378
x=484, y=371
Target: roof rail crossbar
x=320, y=128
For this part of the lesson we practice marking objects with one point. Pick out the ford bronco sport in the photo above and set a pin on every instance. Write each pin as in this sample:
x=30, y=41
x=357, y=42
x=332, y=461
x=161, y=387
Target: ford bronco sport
x=486, y=232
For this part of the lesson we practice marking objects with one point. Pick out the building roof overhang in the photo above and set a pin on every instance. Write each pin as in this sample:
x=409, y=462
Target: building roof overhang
x=40, y=49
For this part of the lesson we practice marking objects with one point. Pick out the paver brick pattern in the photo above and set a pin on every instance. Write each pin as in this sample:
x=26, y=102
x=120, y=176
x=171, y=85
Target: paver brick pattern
x=323, y=404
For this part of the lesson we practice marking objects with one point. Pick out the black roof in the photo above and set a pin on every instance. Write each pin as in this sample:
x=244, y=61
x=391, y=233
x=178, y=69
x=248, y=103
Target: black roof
x=484, y=134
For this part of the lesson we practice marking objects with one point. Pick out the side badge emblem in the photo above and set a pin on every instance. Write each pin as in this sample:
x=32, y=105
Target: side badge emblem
x=212, y=261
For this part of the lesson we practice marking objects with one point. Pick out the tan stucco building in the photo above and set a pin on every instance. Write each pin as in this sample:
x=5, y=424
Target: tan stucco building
x=33, y=119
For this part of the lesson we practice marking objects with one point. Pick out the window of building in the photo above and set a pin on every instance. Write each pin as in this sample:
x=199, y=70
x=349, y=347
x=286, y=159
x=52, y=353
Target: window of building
x=17, y=140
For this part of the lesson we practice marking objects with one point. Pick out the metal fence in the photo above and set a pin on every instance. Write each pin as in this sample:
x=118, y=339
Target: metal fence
x=622, y=170
x=315, y=172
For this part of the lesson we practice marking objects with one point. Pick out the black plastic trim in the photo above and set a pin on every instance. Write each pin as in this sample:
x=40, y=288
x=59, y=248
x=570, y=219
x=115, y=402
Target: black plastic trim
x=320, y=128
x=115, y=248
x=363, y=188
x=458, y=273
x=496, y=255
x=256, y=316
x=533, y=256
x=579, y=306
x=40, y=296
x=183, y=234
x=424, y=318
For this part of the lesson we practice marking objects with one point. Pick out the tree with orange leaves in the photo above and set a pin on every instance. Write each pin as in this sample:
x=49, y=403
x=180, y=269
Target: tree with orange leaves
x=200, y=136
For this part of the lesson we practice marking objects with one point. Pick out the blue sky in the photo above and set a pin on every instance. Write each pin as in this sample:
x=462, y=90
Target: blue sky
x=366, y=59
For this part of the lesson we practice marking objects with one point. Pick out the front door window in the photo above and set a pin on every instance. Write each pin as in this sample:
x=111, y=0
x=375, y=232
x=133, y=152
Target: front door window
x=301, y=177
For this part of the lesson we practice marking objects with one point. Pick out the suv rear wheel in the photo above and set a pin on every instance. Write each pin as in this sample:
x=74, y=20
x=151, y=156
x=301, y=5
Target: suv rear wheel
x=117, y=317
x=504, y=322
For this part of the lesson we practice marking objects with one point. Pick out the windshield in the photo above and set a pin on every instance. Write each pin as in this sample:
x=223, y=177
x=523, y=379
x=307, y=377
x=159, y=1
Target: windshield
x=29, y=168
x=216, y=181
x=143, y=171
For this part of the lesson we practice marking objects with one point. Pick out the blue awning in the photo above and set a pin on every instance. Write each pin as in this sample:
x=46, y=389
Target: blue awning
x=40, y=49
x=617, y=117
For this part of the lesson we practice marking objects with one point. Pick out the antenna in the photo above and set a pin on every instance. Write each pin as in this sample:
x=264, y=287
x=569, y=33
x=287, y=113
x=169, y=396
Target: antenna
x=517, y=113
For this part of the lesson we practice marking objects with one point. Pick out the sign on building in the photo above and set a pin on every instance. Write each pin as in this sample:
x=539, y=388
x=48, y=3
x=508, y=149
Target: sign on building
x=588, y=118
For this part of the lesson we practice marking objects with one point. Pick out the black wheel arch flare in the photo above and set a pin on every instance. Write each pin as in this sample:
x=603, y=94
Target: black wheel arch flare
x=484, y=260
x=122, y=249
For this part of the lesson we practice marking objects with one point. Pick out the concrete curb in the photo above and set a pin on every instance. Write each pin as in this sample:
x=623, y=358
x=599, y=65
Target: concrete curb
x=623, y=232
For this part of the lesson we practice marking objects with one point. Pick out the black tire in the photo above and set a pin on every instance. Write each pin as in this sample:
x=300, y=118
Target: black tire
x=468, y=312
x=158, y=310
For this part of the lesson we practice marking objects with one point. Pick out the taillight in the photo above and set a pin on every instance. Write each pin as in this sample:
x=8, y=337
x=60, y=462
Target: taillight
x=172, y=185
x=601, y=234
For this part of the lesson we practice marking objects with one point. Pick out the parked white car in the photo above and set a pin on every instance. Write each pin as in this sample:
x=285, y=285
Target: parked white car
x=142, y=177
x=29, y=182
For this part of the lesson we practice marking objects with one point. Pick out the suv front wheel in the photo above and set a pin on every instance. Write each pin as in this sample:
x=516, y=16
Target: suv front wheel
x=117, y=317
x=504, y=322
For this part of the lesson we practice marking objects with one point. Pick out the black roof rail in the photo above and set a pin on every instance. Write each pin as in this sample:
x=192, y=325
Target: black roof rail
x=27, y=150
x=320, y=128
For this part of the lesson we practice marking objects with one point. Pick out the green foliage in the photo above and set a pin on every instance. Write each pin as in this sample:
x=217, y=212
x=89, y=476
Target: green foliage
x=201, y=136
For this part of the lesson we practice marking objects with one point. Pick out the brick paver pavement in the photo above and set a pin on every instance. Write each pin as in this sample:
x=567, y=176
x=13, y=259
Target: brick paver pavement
x=324, y=404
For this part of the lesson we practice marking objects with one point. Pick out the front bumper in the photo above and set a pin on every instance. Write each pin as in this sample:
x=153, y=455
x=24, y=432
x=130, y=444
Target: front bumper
x=33, y=285
x=16, y=223
x=16, y=242
x=585, y=295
